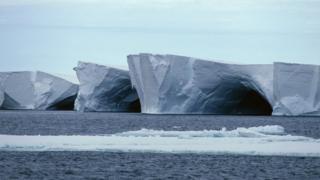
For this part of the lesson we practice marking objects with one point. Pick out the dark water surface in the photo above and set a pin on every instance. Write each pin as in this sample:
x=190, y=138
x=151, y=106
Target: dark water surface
x=75, y=123
x=112, y=165
x=106, y=165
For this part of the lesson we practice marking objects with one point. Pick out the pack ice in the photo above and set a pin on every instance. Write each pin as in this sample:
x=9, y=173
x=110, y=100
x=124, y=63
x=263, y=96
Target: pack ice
x=36, y=90
x=270, y=140
x=181, y=85
x=104, y=88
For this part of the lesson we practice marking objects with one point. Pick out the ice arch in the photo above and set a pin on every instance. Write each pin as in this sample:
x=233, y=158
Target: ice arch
x=181, y=85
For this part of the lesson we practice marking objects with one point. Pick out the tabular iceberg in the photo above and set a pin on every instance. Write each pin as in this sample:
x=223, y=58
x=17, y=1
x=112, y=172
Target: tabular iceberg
x=104, y=89
x=296, y=89
x=36, y=90
x=181, y=85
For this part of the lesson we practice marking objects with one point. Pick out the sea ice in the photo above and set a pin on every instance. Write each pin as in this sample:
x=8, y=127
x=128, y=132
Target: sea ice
x=262, y=140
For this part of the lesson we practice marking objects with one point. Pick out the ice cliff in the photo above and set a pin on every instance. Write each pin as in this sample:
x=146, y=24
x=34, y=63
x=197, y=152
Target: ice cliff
x=296, y=89
x=1, y=97
x=1, y=90
x=178, y=84
x=183, y=85
x=104, y=88
x=36, y=90
x=170, y=84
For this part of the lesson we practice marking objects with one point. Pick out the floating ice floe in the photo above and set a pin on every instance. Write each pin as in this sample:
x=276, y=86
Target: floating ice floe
x=263, y=140
x=36, y=90
x=104, y=88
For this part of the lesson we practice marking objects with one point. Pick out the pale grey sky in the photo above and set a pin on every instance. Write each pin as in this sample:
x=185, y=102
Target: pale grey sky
x=52, y=35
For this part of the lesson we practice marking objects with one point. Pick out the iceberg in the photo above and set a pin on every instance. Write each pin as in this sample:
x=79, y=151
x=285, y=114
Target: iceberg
x=184, y=85
x=104, y=88
x=1, y=90
x=36, y=90
x=296, y=89
x=1, y=97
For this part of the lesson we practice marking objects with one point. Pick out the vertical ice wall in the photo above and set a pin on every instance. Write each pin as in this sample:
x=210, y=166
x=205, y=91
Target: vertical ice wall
x=296, y=89
x=36, y=90
x=171, y=84
x=104, y=88
x=2, y=77
x=178, y=84
x=1, y=97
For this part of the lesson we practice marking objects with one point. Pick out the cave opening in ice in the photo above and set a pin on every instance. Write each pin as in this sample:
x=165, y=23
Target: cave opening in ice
x=135, y=106
x=66, y=104
x=169, y=84
x=236, y=95
x=254, y=103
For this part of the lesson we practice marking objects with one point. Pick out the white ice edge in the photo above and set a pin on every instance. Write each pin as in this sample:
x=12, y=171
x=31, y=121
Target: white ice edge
x=263, y=140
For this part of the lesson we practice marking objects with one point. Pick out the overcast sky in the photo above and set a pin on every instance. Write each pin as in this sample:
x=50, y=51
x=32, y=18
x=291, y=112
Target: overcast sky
x=52, y=35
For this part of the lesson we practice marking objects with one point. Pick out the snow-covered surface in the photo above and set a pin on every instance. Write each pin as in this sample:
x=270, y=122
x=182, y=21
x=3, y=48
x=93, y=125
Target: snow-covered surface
x=263, y=140
x=178, y=84
x=296, y=89
x=103, y=88
x=35, y=90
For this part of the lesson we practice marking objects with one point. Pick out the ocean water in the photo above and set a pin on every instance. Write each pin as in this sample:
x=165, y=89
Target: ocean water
x=71, y=145
x=75, y=123
x=111, y=165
